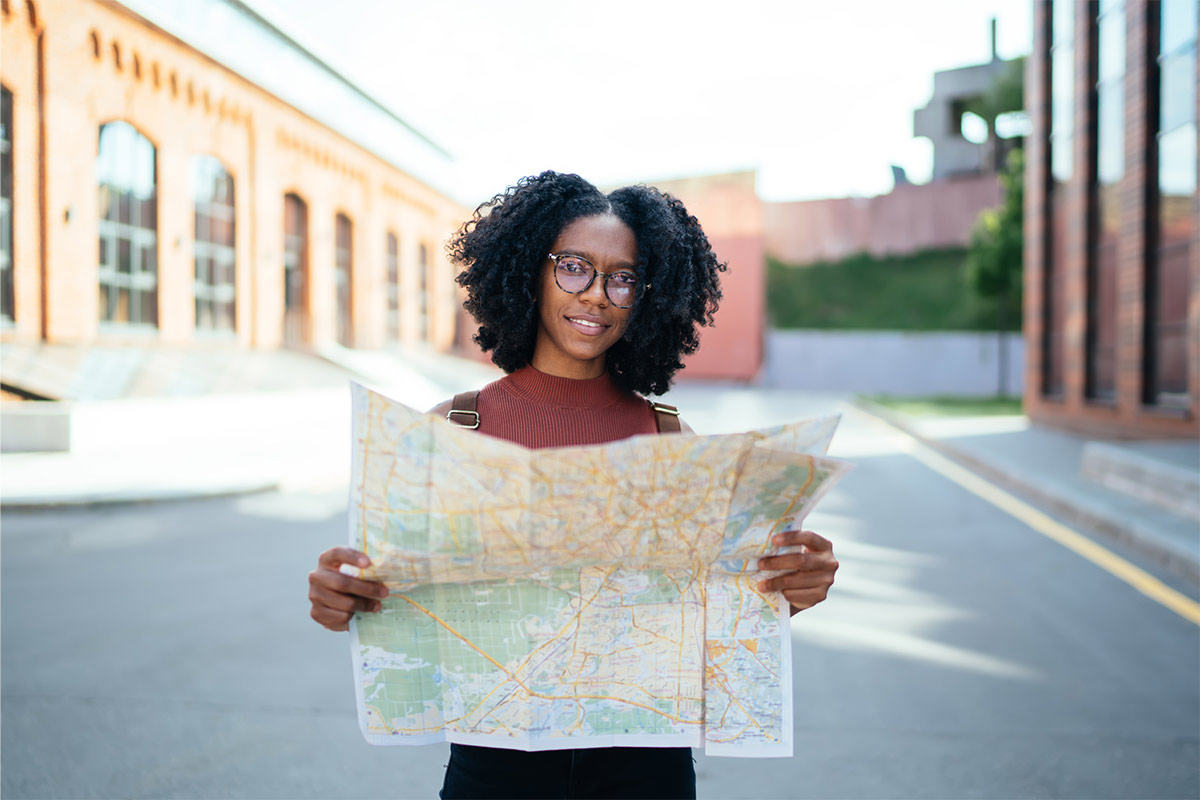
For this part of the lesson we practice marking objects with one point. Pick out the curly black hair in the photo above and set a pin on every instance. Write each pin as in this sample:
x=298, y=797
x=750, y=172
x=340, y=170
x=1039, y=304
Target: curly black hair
x=503, y=246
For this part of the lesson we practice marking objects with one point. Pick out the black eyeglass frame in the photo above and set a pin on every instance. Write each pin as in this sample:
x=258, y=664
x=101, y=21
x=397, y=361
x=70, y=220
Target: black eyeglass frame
x=637, y=292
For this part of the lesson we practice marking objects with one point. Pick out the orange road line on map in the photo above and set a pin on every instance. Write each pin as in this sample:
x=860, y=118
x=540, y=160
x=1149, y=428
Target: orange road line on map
x=362, y=489
x=379, y=714
x=679, y=655
x=736, y=735
x=464, y=639
x=573, y=620
x=532, y=693
x=666, y=639
x=729, y=693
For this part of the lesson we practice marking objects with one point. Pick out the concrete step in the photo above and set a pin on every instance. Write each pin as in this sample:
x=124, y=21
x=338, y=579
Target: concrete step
x=1163, y=474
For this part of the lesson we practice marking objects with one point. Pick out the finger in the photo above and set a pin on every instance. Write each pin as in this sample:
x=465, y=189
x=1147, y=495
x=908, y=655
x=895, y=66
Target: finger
x=334, y=557
x=342, y=602
x=805, y=599
x=798, y=580
x=804, y=562
x=331, y=619
x=807, y=538
x=344, y=584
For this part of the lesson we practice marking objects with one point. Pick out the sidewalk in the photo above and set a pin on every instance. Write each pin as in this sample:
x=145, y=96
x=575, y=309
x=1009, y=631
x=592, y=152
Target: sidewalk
x=1143, y=494
x=153, y=449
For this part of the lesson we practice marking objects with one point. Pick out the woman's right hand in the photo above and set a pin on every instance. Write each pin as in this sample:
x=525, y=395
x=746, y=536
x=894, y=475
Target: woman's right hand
x=335, y=596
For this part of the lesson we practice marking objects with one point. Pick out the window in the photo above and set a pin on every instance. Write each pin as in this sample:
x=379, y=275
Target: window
x=344, y=257
x=128, y=225
x=1061, y=149
x=295, y=271
x=422, y=294
x=1167, y=285
x=214, y=287
x=7, y=302
x=393, y=288
x=1109, y=119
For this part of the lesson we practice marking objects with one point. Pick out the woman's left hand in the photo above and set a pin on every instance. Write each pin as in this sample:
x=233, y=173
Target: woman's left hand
x=808, y=572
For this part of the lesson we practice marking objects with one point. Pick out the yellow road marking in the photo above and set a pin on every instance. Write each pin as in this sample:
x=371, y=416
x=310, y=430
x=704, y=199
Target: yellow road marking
x=1052, y=529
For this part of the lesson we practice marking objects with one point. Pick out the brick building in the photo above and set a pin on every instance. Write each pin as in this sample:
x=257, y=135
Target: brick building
x=189, y=175
x=1112, y=263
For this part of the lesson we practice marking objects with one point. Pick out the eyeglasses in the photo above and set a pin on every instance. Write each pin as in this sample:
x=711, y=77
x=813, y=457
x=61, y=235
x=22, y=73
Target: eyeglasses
x=574, y=274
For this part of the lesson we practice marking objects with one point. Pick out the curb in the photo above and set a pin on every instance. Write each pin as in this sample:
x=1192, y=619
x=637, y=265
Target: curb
x=120, y=497
x=1150, y=546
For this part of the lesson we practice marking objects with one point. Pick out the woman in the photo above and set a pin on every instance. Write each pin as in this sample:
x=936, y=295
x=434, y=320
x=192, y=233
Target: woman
x=584, y=299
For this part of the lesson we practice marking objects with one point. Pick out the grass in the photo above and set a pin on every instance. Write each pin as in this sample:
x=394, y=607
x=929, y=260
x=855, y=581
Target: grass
x=925, y=291
x=949, y=406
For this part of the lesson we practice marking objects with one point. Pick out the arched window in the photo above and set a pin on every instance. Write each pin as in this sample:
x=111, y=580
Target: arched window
x=344, y=257
x=213, y=255
x=128, y=211
x=7, y=305
x=393, y=288
x=295, y=270
x=422, y=294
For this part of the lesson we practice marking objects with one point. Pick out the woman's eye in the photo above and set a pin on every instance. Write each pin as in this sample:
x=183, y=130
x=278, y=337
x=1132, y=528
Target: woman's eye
x=625, y=280
x=572, y=266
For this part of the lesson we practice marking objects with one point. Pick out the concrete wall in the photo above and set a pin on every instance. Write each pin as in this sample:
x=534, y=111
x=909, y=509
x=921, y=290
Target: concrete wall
x=891, y=362
x=910, y=218
x=939, y=122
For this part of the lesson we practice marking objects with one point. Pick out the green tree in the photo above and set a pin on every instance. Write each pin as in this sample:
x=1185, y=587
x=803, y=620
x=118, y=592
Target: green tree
x=995, y=256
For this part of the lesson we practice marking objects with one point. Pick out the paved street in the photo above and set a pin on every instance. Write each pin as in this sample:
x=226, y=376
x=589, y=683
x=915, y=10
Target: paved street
x=165, y=650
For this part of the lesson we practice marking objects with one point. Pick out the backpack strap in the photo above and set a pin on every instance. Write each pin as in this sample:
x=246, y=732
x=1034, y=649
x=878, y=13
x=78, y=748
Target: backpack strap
x=665, y=417
x=463, y=411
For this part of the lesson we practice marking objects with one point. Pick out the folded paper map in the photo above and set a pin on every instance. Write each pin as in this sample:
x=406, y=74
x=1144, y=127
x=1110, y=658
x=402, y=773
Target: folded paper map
x=576, y=597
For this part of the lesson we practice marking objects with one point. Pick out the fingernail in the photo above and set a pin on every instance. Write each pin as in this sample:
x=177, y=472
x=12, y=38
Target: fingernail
x=761, y=563
x=383, y=592
x=778, y=539
x=762, y=586
x=377, y=607
x=363, y=561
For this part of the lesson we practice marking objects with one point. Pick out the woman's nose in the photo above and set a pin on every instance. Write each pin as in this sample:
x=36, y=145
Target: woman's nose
x=595, y=293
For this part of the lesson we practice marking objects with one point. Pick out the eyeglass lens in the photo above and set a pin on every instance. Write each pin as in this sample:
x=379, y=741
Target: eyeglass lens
x=575, y=275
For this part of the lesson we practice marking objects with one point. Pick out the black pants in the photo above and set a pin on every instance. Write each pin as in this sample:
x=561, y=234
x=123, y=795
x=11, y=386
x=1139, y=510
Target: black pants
x=603, y=772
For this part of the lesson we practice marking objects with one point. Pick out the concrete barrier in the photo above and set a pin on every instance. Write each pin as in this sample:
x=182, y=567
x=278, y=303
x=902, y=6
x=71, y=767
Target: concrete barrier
x=901, y=363
x=35, y=426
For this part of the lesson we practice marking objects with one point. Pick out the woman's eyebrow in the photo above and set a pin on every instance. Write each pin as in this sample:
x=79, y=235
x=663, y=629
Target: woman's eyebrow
x=592, y=259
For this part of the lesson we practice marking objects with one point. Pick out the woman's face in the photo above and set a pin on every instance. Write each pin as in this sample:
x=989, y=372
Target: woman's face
x=576, y=330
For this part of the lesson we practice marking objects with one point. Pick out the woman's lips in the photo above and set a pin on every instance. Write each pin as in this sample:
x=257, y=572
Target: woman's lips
x=587, y=326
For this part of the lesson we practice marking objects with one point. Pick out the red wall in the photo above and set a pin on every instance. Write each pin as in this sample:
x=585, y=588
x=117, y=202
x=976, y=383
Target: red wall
x=732, y=217
x=910, y=218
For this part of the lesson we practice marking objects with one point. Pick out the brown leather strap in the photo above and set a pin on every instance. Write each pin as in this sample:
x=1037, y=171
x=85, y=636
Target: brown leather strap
x=463, y=411
x=666, y=417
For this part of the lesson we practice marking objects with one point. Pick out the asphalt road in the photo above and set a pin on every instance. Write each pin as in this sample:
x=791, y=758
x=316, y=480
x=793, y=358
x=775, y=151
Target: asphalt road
x=166, y=651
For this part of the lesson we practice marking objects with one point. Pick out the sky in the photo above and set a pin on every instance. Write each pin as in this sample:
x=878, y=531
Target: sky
x=816, y=95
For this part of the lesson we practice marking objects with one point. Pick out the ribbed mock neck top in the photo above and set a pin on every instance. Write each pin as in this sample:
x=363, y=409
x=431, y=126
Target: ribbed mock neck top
x=534, y=409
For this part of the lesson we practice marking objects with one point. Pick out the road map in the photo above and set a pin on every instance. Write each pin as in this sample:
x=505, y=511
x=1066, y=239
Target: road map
x=576, y=597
